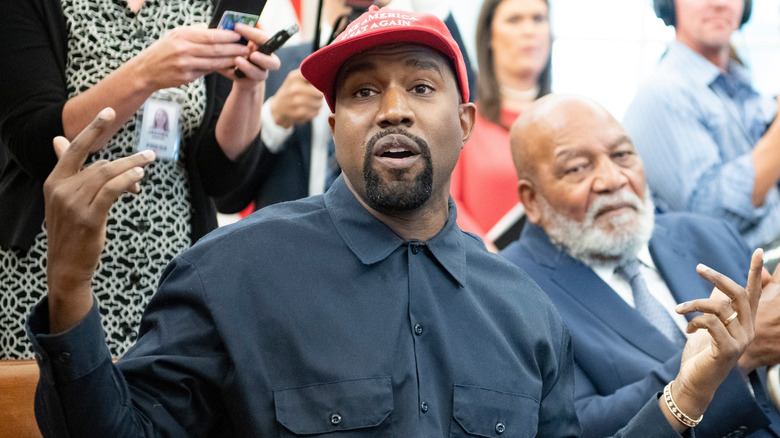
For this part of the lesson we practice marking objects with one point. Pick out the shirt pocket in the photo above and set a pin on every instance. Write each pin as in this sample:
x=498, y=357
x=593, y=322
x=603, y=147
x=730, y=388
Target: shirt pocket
x=349, y=407
x=488, y=413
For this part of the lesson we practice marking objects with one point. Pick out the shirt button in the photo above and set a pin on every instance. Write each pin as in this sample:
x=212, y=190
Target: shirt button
x=424, y=407
x=64, y=358
x=135, y=277
x=415, y=249
x=500, y=428
x=335, y=419
x=418, y=329
x=39, y=357
x=139, y=35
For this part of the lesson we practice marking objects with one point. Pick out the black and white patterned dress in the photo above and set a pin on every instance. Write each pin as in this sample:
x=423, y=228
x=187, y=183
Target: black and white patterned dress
x=144, y=231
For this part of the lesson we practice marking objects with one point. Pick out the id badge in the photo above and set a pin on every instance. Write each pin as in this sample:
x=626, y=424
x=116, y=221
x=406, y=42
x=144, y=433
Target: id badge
x=158, y=124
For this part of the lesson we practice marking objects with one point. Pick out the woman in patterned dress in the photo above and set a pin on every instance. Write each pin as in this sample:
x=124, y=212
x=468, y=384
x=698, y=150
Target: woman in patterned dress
x=65, y=60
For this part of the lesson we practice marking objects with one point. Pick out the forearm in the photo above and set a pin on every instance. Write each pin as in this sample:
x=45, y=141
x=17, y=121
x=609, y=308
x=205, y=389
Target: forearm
x=78, y=376
x=649, y=422
x=125, y=90
x=621, y=402
x=766, y=162
x=239, y=122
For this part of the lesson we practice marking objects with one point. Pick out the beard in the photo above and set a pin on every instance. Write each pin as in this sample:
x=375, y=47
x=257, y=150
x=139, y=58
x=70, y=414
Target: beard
x=397, y=195
x=618, y=240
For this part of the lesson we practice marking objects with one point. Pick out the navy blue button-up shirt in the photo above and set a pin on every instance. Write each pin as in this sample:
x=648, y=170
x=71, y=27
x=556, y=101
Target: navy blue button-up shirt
x=314, y=318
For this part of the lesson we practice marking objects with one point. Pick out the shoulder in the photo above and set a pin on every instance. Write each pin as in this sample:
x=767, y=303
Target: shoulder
x=707, y=238
x=692, y=225
x=269, y=228
x=498, y=273
x=664, y=88
x=528, y=251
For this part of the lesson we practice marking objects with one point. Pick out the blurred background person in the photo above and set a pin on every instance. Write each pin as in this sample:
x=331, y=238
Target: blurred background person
x=514, y=44
x=705, y=133
x=71, y=59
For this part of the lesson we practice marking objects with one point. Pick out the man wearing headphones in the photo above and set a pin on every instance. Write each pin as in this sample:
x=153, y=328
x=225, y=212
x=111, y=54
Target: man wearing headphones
x=705, y=134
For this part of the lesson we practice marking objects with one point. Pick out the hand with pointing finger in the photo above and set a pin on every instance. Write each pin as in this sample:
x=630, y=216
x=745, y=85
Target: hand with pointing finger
x=728, y=320
x=77, y=204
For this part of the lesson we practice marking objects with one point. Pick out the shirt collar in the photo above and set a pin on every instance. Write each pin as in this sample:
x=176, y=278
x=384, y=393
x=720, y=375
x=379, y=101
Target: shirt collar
x=607, y=270
x=372, y=241
x=699, y=69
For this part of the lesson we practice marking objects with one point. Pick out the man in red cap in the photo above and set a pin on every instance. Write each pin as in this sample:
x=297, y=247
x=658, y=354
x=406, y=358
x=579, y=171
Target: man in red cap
x=365, y=311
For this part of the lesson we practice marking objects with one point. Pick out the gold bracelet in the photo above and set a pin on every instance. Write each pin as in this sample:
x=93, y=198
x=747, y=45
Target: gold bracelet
x=678, y=414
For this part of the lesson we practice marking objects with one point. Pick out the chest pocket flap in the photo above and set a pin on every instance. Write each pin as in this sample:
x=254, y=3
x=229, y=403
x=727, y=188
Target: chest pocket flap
x=488, y=413
x=335, y=406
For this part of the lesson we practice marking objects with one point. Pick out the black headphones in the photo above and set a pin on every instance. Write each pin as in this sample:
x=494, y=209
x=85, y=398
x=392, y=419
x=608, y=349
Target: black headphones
x=664, y=9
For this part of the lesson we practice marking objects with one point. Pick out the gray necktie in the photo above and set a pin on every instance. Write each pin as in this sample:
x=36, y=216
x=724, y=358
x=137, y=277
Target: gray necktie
x=648, y=305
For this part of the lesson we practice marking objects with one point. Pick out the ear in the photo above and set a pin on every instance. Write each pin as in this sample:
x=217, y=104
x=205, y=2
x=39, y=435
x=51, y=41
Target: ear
x=527, y=193
x=468, y=115
x=332, y=123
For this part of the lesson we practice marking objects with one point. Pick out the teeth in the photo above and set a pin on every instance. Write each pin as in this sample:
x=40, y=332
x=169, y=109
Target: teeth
x=396, y=150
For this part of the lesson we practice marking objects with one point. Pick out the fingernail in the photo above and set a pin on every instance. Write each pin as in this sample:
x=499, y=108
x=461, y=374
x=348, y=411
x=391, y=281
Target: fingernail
x=680, y=307
x=149, y=155
x=104, y=113
x=703, y=267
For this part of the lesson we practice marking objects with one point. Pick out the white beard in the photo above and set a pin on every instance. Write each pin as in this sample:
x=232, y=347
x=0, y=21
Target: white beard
x=593, y=244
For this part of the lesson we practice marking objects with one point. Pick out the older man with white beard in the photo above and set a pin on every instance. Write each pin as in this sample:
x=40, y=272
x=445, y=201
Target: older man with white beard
x=616, y=271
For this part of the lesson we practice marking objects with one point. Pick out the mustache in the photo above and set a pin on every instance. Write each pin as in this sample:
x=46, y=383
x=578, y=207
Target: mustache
x=423, y=145
x=620, y=197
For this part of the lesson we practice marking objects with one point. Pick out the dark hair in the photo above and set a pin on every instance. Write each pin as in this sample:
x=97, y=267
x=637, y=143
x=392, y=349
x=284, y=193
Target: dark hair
x=488, y=88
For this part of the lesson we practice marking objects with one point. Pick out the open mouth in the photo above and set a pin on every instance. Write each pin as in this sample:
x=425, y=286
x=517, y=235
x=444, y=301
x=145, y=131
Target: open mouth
x=397, y=153
x=396, y=150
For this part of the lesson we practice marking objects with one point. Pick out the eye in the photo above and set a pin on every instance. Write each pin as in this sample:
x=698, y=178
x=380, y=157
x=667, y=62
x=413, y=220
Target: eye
x=573, y=170
x=539, y=18
x=514, y=19
x=576, y=168
x=364, y=92
x=623, y=156
x=422, y=89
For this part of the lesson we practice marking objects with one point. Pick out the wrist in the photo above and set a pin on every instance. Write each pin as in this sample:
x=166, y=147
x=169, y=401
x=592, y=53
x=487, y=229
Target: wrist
x=686, y=409
x=279, y=119
x=139, y=78
x=68, y=308
x=747, y=363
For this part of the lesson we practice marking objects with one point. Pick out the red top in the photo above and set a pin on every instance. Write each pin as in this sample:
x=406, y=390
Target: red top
x=484, y=182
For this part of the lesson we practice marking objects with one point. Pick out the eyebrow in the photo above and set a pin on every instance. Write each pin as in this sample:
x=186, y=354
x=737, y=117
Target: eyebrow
x=623, y=139
x=357, y=67
x=423, y=64
x=567, y=154
x=570, y=153
x=364, y=66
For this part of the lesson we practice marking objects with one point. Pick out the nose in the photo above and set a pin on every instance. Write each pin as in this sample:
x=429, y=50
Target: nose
x=609, y=177
x=394, y=108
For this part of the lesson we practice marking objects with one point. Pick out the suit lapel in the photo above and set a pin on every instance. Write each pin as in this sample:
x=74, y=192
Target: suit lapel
x=677, y=266
x=582, y=285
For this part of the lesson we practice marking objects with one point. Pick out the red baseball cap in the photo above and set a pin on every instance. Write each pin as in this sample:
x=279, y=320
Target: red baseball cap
x=380, y=26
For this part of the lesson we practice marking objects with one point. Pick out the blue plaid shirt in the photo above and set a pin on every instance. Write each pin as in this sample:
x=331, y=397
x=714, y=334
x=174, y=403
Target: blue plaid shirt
x=695, y=127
